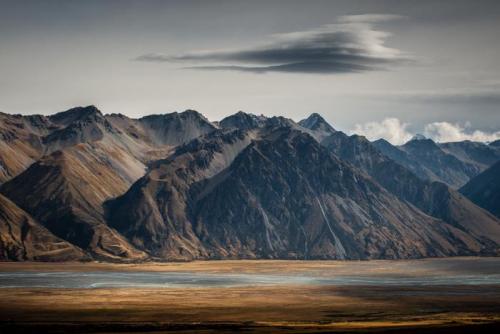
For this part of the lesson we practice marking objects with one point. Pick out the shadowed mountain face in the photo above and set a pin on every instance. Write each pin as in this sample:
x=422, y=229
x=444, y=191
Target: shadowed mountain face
x=433, y=198
x=283, y=196
x=65, y=191
x=178, y=187
x=446, y=167
x=154, y=213
x=477, y=153
x=405, y=159
x=23, y=239
x=484, y=189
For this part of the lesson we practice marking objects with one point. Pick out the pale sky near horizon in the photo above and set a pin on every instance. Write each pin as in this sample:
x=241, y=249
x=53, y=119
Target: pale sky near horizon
x=382, y=68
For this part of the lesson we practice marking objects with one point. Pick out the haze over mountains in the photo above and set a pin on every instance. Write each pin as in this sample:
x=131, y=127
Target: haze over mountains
x=83, y=185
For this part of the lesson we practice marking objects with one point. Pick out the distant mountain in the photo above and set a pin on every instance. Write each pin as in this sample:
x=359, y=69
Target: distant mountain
x=451, y=163
x=405, y=159
x=433, y=198
x=447, y=167
x=484, y=189
x=476, y=153
x=80, y=184
x=23, y=239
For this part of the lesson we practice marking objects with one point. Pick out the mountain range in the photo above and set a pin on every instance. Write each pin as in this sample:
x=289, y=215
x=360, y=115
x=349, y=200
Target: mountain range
x=81, y=185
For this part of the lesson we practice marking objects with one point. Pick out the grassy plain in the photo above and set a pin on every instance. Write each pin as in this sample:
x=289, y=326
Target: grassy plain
x=280, y=308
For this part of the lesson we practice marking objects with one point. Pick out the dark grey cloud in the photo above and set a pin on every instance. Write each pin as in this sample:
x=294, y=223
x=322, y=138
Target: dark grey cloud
x=352, y=44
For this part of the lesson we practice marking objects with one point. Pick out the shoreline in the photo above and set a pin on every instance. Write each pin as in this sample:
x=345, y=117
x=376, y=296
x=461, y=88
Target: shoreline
x=257, y=265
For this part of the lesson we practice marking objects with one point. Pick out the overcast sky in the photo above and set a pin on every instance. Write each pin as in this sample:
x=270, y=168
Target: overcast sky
x=381, y=68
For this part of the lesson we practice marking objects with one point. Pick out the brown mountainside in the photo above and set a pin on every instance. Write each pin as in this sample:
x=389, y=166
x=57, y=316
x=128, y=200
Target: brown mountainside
x=23, y=239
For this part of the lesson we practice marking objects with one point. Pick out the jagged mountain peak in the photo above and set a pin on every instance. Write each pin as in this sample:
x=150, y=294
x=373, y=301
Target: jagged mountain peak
x=186, y=114
x=319, y=127
x=423, y=143
x=243, y=120
x=78, y=125
x=316, y=121
x=246, y=121
x=75, y=114
x=176, y=128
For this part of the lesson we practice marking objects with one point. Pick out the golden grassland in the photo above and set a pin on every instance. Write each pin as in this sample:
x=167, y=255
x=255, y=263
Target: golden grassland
x=255, y=309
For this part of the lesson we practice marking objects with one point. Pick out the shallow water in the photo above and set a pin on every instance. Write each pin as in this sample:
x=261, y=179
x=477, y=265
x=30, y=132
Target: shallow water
x=423, y=273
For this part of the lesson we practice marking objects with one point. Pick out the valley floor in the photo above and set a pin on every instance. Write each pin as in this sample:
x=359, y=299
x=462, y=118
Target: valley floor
x=287, y=308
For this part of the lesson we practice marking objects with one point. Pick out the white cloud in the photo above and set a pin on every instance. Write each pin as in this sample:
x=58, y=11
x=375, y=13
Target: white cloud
x=391, y=129
x=395, y=131
x=448, y=132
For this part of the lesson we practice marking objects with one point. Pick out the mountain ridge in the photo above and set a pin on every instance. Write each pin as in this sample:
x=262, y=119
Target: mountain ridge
x=177, y=186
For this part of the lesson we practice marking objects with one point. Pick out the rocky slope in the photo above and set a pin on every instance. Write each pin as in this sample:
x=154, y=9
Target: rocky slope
x=438, y=164
x=433, y=198
x=451, y=163
x=25, y=139
x=484, y=189
x=283, y=196
x=405, y=159
x=176, y=128
x=20, y=142
x=23, y=239
x=178, y=187
x=480, y=154
x=65, y=191
x=154, y=213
